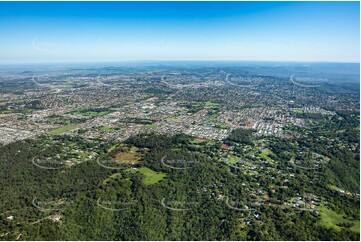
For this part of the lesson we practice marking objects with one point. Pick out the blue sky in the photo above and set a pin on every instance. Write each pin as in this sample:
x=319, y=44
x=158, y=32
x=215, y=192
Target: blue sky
x=109, y=31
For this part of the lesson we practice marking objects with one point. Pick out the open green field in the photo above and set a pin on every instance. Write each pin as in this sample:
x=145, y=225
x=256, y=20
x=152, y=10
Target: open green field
x=220, y=125
x=213, y=114
x=265, y=154
x=298, y=110
x=57, y=119
x=125, y=154
x=151, y=177
x=172, y=120
x=195, y=107
x=233, y=160
x=333, y=187
x=199, y=141
x=330, y=219
x=202, y=142
x=112, y=177
x=138, y=121
x=150, y=126
x=62, y=129
x=209, y=104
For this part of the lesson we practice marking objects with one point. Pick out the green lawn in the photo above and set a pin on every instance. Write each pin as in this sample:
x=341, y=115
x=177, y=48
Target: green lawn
x=233, y=160
x=330, y=219
x=138, y=121
x=62, y=129
x=298, y=110
x=209, y=103
x=172, y=120
x=151, y=177
x=150, y=126
x=201, y=142
x=134, y=149
x=112, y=177
x=265, y=154
x=112, y=148
x=220, y=125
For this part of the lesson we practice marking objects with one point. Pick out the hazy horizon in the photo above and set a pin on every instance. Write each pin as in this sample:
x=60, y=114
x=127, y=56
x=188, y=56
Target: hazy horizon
x=64, y=32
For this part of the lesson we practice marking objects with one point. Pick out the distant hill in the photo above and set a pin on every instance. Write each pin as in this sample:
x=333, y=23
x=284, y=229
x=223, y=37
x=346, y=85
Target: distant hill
x=341, y=87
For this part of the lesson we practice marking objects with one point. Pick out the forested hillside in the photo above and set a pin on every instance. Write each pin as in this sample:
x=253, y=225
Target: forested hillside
x=196, y=198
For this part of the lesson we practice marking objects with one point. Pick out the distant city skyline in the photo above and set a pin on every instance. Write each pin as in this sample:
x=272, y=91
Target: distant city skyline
x=34, y=32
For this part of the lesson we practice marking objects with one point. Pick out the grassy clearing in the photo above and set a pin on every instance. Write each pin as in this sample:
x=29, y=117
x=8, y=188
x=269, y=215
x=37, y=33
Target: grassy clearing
x=106, y=128
x=151, y=177
x=202, y=142
x=175, y=120
x=150, y=126
x=199, y=141
x=128, y=156
x=220, y=125
x=57, y=119
x=333, y=187
x=112, y=148
x=265, y=154
x=330, y=219
x=233, y=160
x=210, y=104
x=298, y=110
x=138, y=121
x=63, y=129
x=112, y=177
